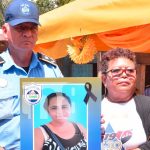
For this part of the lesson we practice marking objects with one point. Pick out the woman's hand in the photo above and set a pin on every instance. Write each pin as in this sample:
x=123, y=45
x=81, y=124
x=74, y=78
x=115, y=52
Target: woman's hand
x=102, y=128
x=135, y=149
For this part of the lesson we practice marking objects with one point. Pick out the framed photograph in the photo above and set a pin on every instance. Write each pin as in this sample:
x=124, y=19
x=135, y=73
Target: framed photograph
x=82, y=96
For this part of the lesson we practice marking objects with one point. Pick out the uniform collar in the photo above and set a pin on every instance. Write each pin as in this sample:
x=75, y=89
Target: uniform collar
x=8, y=60
x=9, y=63
x=34, y=62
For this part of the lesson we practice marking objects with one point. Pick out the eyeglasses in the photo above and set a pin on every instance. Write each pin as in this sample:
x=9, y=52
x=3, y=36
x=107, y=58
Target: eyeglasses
x=23, y=28
x=119, y=71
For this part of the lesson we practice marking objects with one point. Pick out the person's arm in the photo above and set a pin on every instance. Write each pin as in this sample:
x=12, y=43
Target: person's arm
x=142, y=106
x=1, y=148
x=145, y=146
x=38, y=139
x=83, y=130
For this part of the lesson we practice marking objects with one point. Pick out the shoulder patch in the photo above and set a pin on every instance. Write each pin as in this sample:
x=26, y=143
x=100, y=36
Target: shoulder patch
x=1, y=60
x=46, y=59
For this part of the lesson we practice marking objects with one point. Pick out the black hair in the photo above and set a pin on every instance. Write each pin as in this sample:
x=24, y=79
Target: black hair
x=56, y=94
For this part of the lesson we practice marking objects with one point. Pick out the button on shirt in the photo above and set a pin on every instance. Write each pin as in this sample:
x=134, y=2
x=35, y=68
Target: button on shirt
x=10, y=75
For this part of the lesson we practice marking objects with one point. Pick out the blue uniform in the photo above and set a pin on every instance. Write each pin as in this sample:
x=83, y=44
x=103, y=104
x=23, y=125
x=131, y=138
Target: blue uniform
x=10, y=74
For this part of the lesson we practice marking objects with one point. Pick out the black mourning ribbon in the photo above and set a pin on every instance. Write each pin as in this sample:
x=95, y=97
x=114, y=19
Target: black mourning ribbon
x=89, y=94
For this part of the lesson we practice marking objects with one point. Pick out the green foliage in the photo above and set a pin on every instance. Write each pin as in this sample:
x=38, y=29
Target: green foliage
x=44, y=6
x=1, y=14
x=3, y=4
x=1, y=20
x=63, y=2
x=48, y=5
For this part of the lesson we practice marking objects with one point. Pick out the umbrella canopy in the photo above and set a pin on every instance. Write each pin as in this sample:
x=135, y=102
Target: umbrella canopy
x=83, y=27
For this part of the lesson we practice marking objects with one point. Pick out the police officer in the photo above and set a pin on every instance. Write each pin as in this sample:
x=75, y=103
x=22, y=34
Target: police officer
x=19, y=61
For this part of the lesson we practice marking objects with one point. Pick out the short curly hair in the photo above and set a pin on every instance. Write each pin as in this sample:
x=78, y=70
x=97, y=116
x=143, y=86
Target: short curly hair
x=115, y=53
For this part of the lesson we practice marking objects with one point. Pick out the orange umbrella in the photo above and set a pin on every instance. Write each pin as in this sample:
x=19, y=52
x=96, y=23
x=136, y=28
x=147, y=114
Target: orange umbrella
x=83, y=27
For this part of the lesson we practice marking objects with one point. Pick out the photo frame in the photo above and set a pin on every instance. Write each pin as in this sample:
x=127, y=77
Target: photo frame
x=85, y=94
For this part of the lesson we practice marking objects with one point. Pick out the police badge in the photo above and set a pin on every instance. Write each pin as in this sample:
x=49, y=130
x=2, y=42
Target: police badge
x=25, y=9
x=32, y=93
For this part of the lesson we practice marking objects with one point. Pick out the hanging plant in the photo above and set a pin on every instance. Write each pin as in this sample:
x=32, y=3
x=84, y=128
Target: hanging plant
x=82, y=49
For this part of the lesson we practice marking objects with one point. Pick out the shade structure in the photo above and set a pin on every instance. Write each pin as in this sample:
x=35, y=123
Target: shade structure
x=87, y=26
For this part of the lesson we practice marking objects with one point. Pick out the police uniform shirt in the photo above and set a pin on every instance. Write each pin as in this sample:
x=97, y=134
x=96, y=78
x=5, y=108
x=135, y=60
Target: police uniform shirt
x=10, y=74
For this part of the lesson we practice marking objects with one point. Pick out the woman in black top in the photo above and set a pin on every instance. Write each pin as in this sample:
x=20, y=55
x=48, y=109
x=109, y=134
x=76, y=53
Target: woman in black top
x=60, y=133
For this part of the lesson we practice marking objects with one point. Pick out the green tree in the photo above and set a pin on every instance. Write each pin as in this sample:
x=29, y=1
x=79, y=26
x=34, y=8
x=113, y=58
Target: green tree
x=48, y=5
x=3, y=4
x=1, y=13
x=44, y=6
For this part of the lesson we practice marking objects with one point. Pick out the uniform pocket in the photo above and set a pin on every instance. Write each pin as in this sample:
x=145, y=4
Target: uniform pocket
x=9, y=107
